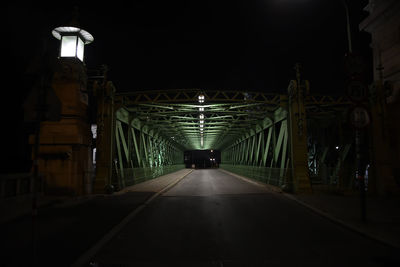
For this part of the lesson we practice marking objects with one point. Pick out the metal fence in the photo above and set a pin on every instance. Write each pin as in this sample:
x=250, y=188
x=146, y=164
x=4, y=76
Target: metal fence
x=273, y=176
x=18, y=184
x=139, y=175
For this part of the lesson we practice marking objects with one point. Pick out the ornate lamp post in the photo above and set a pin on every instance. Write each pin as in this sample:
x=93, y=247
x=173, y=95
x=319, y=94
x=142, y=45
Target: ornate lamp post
x=72, y=40
x=65, y=145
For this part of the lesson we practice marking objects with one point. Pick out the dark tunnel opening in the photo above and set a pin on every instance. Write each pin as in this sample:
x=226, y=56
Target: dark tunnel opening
x=202, y=159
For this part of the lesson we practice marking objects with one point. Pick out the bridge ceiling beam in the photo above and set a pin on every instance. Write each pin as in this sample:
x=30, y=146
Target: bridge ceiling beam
x=178, y=114
x=226, y=114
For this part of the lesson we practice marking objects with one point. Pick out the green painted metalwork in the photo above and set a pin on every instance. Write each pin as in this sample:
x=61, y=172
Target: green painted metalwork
x=265, y=175
x=250, y=128
x=141, y=152
x=256, y=155
x=218, y=120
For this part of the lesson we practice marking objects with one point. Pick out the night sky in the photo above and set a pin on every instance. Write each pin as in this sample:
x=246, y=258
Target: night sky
x=246, y=45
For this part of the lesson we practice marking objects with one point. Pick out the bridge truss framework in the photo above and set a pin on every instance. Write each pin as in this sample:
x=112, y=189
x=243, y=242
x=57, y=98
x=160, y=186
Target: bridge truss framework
x=259, y=134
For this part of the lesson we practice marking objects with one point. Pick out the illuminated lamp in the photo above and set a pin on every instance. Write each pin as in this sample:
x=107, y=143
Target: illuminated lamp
x=72, y=41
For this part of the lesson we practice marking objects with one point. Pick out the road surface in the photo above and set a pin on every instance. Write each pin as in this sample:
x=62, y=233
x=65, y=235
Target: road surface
x=211, y=218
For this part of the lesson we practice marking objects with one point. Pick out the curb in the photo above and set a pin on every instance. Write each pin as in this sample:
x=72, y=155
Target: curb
x=317, y=211
x=87, y=255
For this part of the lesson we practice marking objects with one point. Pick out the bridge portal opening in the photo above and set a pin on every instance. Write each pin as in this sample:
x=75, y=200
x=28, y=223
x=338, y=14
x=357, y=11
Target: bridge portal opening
x=202, y=159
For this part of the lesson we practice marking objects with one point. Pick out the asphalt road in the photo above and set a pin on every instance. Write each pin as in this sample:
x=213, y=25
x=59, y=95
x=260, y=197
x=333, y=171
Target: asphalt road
x=213, y=219
x=64, y=231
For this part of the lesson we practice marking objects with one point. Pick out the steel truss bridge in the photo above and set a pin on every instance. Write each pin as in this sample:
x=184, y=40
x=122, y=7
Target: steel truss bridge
x=283, y=140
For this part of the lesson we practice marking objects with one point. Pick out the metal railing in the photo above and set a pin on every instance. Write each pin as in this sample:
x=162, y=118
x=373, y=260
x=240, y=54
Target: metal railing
x=18, y=184
x=273, y=176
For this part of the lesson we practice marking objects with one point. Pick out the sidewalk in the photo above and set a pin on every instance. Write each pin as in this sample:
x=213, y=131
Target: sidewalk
x=383, y=213
x=67, y=227
x=157, y=184
x=16, y=207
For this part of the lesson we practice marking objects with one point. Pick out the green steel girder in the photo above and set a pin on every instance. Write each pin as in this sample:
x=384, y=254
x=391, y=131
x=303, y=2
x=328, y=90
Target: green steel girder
x=265, y=147
x=140, y=148
x=250, y=128
x=175, y=113
x=178, y=115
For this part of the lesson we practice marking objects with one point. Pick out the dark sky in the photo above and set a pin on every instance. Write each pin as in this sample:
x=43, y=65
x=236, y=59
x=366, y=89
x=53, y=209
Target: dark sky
x=249, y=44
x=215, y=44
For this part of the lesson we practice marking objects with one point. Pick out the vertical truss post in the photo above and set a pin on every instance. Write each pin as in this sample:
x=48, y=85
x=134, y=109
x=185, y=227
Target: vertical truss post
x=278, y=147
x=260, y=137
x=150, y=150
x=284, y=149
x=146, y=158
x=260, y=163
x=139, y=161
x=129, y=140
x=121, y=176
x=266, y=149
x=253, y=139
x=124, y=144
x=245, y=150
x=235, y=154
x=240, y=154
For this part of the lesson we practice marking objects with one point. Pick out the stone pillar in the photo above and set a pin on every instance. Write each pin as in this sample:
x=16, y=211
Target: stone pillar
x=298, y=135
x=383, y=23
x=65, y=156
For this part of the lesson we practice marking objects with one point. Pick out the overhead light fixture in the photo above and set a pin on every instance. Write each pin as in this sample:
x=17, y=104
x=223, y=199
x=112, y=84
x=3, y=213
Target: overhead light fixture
x=201, y=98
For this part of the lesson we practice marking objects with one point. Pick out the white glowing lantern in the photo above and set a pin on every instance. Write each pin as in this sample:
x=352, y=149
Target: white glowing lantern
x=201, y=98
x=73, y=41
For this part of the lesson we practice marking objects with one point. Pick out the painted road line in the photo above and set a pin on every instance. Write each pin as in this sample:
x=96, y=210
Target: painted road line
x=88, y=255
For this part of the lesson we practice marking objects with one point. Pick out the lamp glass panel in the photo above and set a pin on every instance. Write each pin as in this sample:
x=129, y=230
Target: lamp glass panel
x=80, y=49
x=68, y=46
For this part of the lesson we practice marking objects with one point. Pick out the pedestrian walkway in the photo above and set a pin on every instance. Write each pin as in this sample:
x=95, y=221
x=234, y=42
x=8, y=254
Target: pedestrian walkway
x=16, y=207
x=156, y=185
x=383, y=213
x=74, y=224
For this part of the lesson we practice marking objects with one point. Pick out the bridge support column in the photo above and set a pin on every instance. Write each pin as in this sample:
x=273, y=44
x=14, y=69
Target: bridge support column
x=298, y=135
x=65, y=159
x=105, y=136
x=383, y=180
